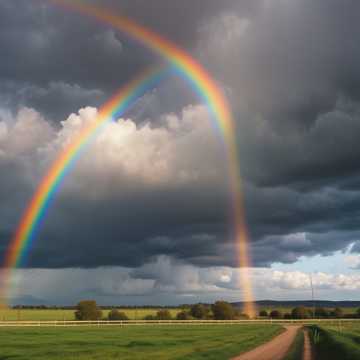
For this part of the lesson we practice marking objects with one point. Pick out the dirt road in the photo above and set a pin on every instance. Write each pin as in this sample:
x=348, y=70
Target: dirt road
x=275, y=349
x=307, y=347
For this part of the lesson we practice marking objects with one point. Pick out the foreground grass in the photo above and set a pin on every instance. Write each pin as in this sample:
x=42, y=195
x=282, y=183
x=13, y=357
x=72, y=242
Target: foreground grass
x=296, y=350
x=338, y=341
x=133, y=342
x=53, y=314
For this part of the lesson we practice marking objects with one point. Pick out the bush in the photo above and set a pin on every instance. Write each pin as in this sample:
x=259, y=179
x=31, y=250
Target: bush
x=358, y=312
x=222, y=310
x=300, y=312
x=163, y=315
x=117, y=315
x=321, y=313
x=150, y=317
x=338, y=313
x=199, y=311
x=87, y=310
x=263, y=313
x=276, y=314
x=183, y=315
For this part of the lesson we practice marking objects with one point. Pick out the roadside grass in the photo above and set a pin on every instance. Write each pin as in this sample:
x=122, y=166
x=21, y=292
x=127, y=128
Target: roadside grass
x=134, y=342
x=297, y=348
x=58, y=314
x=333, y=342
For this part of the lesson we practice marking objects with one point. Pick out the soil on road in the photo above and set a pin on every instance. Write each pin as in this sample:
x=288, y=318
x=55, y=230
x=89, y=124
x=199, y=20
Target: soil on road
x=276, y=349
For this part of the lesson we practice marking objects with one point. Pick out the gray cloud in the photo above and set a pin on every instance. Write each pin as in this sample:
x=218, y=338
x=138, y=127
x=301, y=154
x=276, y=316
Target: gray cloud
x=291, y=71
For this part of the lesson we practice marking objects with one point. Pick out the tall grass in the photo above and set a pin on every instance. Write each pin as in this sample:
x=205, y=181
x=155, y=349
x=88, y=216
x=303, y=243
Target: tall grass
x=331, y=344
x=297, y=348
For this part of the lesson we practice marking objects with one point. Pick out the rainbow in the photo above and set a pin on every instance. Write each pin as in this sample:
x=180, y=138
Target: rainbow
x=203, y=84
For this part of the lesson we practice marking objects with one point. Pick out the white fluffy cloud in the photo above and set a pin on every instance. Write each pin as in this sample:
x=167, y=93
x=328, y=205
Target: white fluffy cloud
x=25, y=134
x=171, y=153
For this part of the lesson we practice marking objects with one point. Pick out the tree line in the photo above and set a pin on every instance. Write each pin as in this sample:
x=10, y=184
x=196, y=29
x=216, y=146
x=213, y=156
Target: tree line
x=302, y=312
x=221, y=310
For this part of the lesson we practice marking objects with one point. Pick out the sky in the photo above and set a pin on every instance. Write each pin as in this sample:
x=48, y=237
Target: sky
x=144, y=217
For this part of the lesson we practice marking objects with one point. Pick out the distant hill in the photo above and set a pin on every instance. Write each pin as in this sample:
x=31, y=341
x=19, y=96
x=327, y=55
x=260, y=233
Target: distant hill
x=294, y=303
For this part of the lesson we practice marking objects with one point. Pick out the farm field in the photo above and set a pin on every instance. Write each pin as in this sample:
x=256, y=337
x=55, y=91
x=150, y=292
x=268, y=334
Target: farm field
x=337, y=341
x=139, y=342
x=53, y=314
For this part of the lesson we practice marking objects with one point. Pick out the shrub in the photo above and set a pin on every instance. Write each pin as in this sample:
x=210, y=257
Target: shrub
x=163, y=315
x=183, y=315
x=222, y=310
x=87, y=310
x=199, y=311
x=117, y=315
x=338, y=313
x=300, y=312
x=276, y=314
x=320, y=312
x=263, y=313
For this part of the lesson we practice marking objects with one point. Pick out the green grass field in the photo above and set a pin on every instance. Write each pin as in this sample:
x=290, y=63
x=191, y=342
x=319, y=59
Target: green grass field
x=133, y=342
x=337, y=341
x=51, y=314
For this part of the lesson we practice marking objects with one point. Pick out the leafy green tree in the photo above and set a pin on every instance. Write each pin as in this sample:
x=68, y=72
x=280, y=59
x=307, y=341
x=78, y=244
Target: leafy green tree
x=320, y=312
x=222, y=310
x=276, y=314
x=338, y=313
x=115, y=314
x=300, y=312
x=183, y=315
x=150, y=317
x=163, y=315
x=358, y=312
x=263, y=313
x=199, y=311
x=87, y=310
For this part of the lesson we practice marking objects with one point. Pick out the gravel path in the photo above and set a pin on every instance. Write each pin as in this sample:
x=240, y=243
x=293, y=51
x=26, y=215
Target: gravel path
x=275, y=349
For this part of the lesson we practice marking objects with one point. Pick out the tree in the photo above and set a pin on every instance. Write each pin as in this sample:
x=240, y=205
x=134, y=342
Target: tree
x=87, y=310
x=263, y=313
x=300, y=312
x=320, y=312
x=338, y=313
x=150, y=317
x=199, y=311
x=117, y=315
x=183, y=315
x=358, y=312
x=163, y=315
x=222, y=310
x=276, y=314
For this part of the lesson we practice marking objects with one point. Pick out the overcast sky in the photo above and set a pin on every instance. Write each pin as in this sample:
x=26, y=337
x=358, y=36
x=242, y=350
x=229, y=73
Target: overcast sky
x=144, y=218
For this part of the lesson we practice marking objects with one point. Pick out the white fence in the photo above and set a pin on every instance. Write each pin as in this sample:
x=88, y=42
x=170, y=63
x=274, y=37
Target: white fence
x=70, y=323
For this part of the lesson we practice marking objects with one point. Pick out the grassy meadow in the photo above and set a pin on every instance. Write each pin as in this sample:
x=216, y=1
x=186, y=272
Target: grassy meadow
x=337, y=341
x=134, y=342
x=54, y=314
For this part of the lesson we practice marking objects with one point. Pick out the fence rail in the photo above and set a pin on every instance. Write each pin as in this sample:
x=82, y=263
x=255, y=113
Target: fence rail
x=68, y=323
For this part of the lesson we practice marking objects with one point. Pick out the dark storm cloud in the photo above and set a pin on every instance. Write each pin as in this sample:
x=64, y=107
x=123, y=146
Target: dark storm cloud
x=292, y=71
x=46, y=44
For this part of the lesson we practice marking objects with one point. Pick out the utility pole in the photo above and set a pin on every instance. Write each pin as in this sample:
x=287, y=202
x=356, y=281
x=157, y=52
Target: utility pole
x=312, y=296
